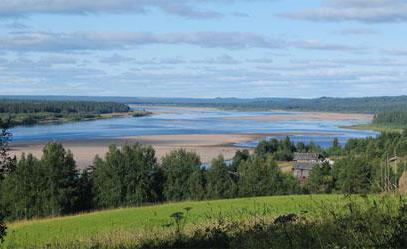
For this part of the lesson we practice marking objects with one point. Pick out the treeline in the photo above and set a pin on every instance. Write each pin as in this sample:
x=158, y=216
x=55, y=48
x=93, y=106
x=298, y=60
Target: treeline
x=28, y=112
x=36, y=106
x=130, y=175
x=370, y=105
x=392, y=119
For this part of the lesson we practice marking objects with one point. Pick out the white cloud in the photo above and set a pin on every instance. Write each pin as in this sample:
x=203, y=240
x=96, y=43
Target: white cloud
x=357, y=31
x=369, y=11
x=42, y=41
x=183, y=8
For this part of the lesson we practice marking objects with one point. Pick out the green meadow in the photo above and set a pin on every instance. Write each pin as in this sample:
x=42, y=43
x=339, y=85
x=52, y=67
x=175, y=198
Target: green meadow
x=91, y=227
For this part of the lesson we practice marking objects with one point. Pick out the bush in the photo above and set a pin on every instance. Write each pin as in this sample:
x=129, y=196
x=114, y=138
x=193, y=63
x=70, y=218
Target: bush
x=3, y=229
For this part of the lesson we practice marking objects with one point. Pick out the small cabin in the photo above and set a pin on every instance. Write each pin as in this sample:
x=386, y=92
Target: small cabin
x=304, y=162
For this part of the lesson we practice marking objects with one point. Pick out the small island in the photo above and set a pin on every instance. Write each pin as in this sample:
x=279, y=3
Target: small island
x=141, y=113
x=33, y=112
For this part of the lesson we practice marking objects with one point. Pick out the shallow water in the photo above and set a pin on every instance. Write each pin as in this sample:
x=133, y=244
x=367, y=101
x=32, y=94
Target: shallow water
x=175, y=121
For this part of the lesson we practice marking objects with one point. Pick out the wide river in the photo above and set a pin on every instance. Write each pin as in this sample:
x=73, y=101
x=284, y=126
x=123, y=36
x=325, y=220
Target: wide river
x=174, y=121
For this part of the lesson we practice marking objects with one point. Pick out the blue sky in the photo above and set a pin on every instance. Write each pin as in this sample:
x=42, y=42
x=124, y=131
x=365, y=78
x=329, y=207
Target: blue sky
x=204, y=48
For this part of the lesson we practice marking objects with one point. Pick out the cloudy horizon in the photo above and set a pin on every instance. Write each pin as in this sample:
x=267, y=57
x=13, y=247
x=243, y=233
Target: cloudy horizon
x=213, y=48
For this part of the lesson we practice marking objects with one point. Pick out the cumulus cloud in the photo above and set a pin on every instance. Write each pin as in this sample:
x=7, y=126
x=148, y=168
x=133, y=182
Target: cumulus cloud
x=43, y=41
x=36, y=76
x=369, y=11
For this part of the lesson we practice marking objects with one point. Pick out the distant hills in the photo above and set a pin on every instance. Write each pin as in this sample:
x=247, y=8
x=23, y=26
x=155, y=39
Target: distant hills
x=325, y=104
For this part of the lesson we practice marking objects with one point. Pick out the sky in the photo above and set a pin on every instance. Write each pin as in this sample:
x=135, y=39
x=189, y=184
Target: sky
x=204, y=48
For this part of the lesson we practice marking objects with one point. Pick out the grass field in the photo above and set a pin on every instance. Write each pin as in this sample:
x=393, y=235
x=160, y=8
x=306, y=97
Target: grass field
x=90, y=227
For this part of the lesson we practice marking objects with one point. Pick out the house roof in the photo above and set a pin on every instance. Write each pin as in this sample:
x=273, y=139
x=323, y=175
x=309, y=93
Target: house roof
x=306, y=156
x=303, y=166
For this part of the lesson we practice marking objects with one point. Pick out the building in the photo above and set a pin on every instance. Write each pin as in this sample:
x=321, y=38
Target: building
x=304, y=162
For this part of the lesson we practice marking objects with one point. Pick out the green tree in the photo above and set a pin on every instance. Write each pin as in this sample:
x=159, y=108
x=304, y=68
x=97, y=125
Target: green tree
x=197, y=182
x=61, y=179
x=354, y=175
x=260, y=176
x=24, y=188
x=85, y=191
x=239, y=157
x=220, y=181
x=3, y=228
x=7, y=162
x=126, y=176
x=265, y=147
x=179, y=165
x=321, y=179
x=107, y=183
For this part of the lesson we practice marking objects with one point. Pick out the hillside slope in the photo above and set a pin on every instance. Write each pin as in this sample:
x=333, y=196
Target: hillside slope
x=119, y=223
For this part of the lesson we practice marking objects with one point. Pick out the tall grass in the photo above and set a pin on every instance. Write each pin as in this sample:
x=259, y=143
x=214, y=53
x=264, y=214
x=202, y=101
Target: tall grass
x=321, y=221
x=142, y=220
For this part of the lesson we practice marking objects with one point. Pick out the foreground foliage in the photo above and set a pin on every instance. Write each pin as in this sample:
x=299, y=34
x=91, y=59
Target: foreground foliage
x=273, y=222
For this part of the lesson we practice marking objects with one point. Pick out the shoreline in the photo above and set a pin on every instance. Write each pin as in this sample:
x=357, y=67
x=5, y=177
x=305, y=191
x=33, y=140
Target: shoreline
x=371, y=127
x=64, y=120
x=304, y=116
x=207, y=146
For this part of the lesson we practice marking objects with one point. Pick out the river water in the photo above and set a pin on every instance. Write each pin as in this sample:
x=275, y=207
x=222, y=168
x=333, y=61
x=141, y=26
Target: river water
x=174, y=121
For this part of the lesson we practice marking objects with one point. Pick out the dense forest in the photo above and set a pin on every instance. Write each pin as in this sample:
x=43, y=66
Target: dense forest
x=131, y=175
x=391, y=119
x=370, y=105
x=28, y=112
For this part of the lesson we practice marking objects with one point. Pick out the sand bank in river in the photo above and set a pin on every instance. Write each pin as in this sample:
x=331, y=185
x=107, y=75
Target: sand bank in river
x=208, y=146
x=311, y=116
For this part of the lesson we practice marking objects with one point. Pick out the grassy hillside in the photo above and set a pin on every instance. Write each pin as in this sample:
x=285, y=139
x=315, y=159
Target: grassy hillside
x=126, y=223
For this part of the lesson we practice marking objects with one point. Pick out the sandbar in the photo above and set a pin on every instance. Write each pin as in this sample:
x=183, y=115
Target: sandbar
x=208, y=146
x=306, y=116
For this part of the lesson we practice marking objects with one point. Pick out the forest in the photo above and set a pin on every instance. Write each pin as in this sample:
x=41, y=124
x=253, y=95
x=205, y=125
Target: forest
x=29, y=112
x=371, y=105
x=391, y=119
x=130, y=175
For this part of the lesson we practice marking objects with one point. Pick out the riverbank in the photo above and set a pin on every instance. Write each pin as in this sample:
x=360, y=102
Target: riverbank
x=207, y=146
x=50, y=118
x=372, y=127
x=301, y=116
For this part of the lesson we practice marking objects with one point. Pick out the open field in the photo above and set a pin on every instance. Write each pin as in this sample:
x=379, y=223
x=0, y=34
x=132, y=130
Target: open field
x=85, y=228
